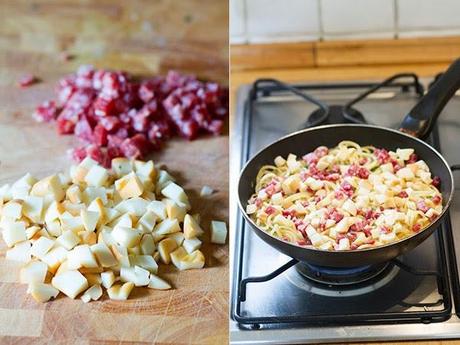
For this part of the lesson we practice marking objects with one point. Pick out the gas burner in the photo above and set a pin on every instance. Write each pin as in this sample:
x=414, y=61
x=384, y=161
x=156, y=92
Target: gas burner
x=335, y=114
x=328, y=282
x=340, y=276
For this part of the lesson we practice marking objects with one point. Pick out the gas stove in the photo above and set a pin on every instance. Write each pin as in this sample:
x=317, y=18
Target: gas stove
x=275, y=299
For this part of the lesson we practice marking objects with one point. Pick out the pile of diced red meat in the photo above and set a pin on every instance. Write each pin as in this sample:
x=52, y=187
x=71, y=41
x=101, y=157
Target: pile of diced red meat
x=114, y=115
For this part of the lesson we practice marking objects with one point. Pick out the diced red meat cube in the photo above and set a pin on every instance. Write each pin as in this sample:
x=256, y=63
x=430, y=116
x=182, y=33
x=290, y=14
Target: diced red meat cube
x=78, y=154
x=100, y=135
x=321, y=151
x=27, y=80
x=65, y=126
x=110, y=123
x=436, y=181
x=412, y=158
x=422, y=206
x=382, y=155
x=403, y=194
x=46, y=112
x=83, y=130
x=135, y=147
x=104, y=107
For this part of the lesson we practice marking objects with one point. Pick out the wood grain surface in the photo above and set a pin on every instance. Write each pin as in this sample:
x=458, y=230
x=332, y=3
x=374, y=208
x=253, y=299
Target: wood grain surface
x=142, y=37
x=345, y=53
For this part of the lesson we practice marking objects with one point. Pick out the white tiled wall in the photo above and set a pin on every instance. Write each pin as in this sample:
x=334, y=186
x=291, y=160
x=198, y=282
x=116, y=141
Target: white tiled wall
x=268, y=19
x=255, y=21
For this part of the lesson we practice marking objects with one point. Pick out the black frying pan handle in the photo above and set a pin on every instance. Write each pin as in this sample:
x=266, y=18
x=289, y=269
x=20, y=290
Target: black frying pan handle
x=420, y=120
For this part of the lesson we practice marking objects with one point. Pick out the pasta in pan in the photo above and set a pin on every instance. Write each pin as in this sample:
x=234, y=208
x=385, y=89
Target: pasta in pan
x=345, y=198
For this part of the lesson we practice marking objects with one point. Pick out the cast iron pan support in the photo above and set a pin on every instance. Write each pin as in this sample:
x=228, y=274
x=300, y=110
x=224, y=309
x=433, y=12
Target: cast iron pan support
x=387, y=82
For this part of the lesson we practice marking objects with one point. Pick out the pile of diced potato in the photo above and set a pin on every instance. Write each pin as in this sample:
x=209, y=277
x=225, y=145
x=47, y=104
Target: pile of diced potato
x=97, y=228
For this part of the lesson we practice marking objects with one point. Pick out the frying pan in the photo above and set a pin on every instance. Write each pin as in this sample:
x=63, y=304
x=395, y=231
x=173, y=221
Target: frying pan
x=415, y=127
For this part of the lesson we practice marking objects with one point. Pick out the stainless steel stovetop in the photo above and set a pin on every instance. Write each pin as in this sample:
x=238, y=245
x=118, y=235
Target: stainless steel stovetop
x=411, y=306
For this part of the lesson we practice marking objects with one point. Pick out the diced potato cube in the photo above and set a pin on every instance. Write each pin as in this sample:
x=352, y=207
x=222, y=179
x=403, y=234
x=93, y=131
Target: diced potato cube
x=121, y=166
x=175, y=192
x=73, y=193
x=344, y=244
x=33, y=272
x=136, y=275
x=71, y=283
x=174, y=210
x=167, y=226
x=148, y=220
x=50, y=185
x=20, y=252
x=93, y=293
x=191, y=227
x=54, y=258
x=88, y=237
x=165, y=247
x=32, y=208
x=127, y=237
x=120, y=292
x=124, y=220
x=145, y=261
x=184, y=261
x=405, y=173
x=89, y=219
x=91, y=193
x=192, y=244
x=159, y=208
x=42, y=292
x=136, y=206
x=158, y=283
x=178, y=237
x=121, y=254
x=53, y=228
x=111, y=214
x=107, y=279
x=164, y=178
x=129, y=186
x=68, y=240
x=12, y=209
x=71, y=223
x=145, y=168
x=350, y=207
x=218, y=232
x=280, y=161
x=93, y=278
x=97, y=176
x=404, y=154
x=251, y=208
x=53, y=212
x=81, y=256
x=41, y=246
x=32, y=230
x=103, y=255
x=206, y=191
x=147, y=244
x=97, y=205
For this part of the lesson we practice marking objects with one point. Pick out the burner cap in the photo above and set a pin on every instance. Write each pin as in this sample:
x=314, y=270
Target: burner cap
x=340, y=276
x=336, y=114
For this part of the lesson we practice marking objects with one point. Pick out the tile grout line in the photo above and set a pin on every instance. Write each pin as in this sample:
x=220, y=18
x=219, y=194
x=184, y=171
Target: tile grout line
x=320, y=21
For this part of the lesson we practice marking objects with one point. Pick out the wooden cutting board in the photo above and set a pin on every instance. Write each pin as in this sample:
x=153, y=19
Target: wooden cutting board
x=146, y=37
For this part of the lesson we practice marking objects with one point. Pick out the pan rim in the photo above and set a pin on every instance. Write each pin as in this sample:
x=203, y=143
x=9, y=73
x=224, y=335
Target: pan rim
x=355, y=251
